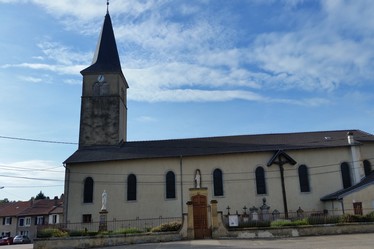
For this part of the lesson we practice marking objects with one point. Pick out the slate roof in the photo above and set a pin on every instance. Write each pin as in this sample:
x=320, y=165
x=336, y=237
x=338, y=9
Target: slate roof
x=338, y=195
x=106, y=58
x=217, y=145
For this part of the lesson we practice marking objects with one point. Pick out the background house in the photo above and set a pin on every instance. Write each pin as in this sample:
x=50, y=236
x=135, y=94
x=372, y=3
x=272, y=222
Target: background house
x=25, y=217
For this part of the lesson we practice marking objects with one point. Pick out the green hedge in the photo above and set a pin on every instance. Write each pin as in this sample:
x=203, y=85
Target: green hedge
x=168, y=227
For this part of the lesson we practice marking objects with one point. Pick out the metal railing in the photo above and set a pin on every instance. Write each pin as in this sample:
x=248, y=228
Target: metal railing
x=141, y=225
x=259, y=219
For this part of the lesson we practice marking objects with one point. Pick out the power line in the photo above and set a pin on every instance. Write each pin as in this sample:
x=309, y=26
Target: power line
x=37, y=140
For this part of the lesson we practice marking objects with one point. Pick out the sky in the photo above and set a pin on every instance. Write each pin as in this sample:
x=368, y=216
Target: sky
x=196, y=68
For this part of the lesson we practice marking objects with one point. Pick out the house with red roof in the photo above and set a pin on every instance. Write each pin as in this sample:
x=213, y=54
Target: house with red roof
x=24, y=217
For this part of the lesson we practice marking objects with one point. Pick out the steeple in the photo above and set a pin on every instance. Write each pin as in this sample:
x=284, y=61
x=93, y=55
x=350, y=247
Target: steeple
x=106, y=58
x=103, y=120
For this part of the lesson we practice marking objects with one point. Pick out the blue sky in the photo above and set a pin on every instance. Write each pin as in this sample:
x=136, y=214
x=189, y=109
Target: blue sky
x=195, y=69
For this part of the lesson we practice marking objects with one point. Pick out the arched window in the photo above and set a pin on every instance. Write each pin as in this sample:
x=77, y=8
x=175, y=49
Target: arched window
x=217, y=182
x=88, y=190
x=131, y=187
x=367, y=167
x=346, y=175
x=170, y=185
x=260, y=181
x=304, y=178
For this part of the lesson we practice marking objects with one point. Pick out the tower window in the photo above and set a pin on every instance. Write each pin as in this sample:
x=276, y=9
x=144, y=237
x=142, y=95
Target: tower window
x=346, y=175
x=88, y=190
x=170, y=185
x=217, y=182
x=131, y=187
x=260, y=181
x=304, y=178
x=367, y=167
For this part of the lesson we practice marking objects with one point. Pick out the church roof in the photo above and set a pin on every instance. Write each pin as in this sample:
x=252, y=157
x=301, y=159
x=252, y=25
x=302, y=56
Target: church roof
x=106, y=58
x=338, y=195
x=217, y=145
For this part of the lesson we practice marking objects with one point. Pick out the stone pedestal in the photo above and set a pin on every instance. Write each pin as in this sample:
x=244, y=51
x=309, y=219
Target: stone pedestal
x=103, y=223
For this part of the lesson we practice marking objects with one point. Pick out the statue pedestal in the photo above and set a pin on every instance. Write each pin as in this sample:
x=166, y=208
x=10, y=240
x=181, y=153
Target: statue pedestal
x=103, y=223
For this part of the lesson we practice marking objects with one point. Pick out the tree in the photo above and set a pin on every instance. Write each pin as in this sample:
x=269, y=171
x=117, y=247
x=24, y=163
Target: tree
x=40, y=196
x=4, y=200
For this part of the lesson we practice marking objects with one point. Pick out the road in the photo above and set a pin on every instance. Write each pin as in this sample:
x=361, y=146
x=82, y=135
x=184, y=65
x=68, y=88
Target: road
x=351, y=241
x=356, y=241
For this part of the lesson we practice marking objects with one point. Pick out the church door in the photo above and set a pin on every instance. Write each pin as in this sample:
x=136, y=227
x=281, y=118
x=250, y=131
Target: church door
x=200, y=217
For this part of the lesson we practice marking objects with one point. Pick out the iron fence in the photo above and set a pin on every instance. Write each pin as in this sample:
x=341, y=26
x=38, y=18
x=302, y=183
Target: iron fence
x=141, y=225
x=264, y=219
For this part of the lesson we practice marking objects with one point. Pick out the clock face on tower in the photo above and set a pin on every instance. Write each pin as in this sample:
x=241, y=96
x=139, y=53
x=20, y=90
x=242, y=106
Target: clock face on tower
x=100, y=78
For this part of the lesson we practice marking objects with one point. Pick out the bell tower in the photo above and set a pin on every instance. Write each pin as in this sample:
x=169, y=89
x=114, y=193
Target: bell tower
x=103, y=119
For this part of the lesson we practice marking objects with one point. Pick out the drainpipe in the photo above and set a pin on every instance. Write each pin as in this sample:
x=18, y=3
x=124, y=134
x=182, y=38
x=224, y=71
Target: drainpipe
x=356, y=158
x=181, y=181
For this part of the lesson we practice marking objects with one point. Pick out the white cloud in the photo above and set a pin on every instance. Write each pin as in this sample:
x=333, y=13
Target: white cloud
x=18, y=182
x=198, y=56
x=30, y=79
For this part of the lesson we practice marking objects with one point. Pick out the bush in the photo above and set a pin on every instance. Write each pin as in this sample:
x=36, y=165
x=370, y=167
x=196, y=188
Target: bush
x=325, y=219
x=287, y=223
x=346, y=218
x=258, y=223
x=130, y=230
x=51, y=232
x=370, y=217
x=167, y=227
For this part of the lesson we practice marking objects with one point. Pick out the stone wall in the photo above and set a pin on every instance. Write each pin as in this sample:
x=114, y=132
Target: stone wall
x=252, y=233
x=101, y=241
x=242, y=233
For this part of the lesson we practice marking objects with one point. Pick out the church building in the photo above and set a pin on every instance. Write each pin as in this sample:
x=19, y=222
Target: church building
x=323, y=171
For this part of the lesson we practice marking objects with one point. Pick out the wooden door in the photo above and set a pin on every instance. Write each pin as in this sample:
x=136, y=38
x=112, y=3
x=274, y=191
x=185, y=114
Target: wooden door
x=357, y=207
x=200, y=217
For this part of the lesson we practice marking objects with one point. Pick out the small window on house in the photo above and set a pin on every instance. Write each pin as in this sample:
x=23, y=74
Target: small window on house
x=170, y=185
x=367, y=167
x=217, y=182
x=27, y=221
x=39, y=220
x=7, y=221
x=21, y=222
x=88, y=190
x=304, y=178
x=260, y=181
x=346, y=175
x=131, y=187
x=87, y=218
x=55, y=219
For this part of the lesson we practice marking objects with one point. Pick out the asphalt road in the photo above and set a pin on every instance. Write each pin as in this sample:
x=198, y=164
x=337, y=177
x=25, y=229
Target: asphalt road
x=351, y=241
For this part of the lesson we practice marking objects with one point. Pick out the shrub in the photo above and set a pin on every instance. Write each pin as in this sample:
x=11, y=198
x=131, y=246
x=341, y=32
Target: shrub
x=370, y=217
x=346, y=218
x=325, y=219
x=51, y=232
x=254, y=223
x=130, y=230
x=286, y=223
x=167, y=227
x=75, y=233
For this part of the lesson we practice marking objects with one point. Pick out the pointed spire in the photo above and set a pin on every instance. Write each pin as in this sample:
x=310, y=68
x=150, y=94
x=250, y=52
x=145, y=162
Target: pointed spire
x=107, y=6
x=106, y=58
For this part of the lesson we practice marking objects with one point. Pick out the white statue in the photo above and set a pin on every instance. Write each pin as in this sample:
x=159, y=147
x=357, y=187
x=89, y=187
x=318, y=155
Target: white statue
x=104, y=198
x=198, y=179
